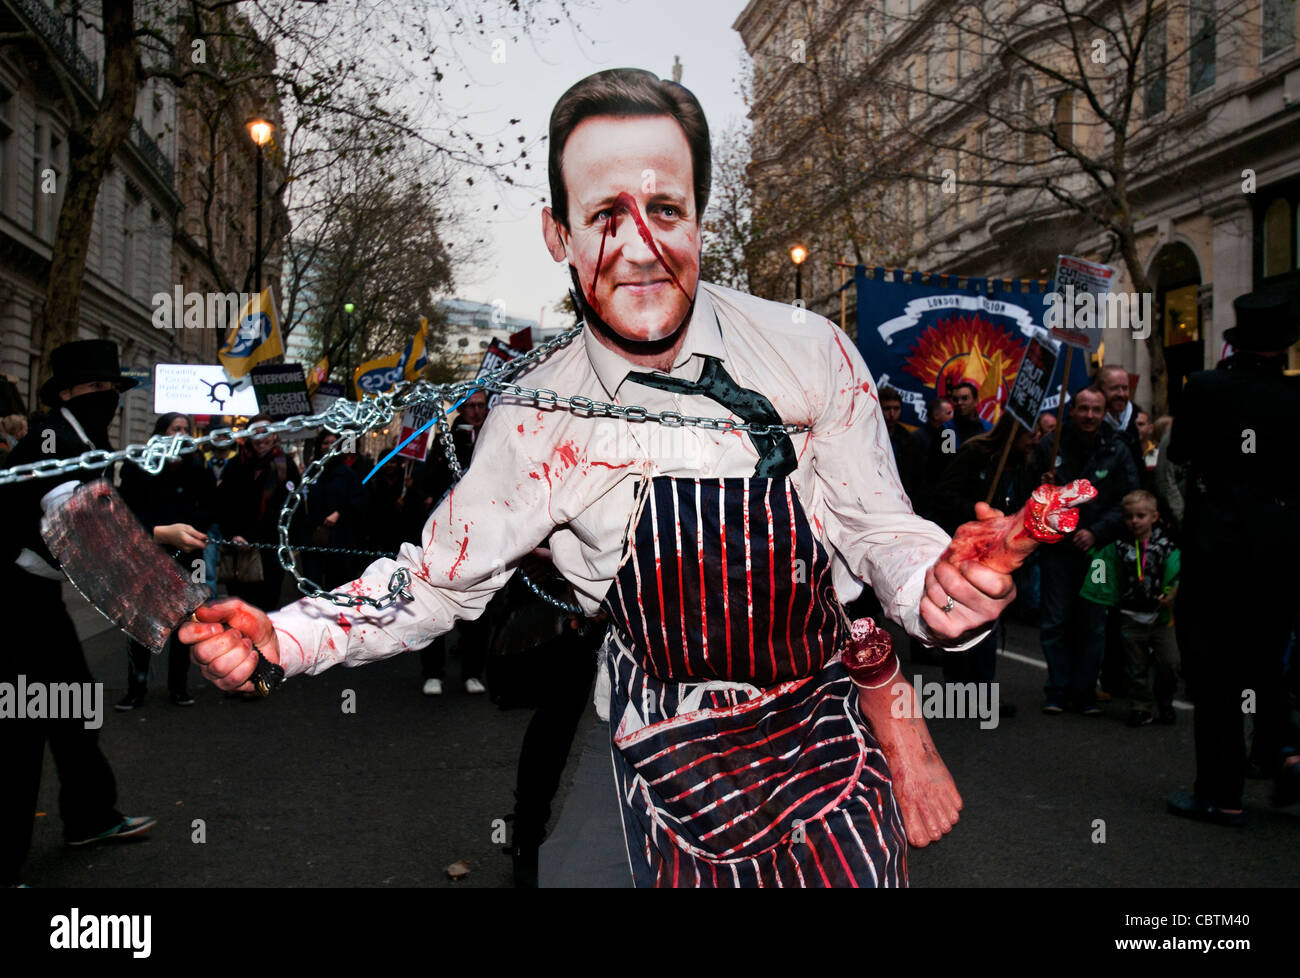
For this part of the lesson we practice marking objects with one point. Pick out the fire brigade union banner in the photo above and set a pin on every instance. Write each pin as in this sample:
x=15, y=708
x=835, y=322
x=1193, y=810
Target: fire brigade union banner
x=923, y=335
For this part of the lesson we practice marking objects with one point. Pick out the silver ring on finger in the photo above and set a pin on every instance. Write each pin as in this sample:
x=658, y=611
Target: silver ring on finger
x=949, y=605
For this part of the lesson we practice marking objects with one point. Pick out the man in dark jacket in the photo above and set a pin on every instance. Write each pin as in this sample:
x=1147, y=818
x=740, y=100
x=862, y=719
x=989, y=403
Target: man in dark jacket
x=1121, y=412
x=927, y=451
x=42, y=644
x=1240, y=589
x=1072, y=630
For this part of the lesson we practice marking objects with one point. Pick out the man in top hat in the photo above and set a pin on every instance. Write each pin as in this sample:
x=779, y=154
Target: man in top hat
x=1240, y=588
x=82, y=395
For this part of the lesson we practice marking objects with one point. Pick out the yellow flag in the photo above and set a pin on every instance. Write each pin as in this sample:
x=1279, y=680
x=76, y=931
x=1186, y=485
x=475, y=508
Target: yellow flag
x=377, y=376
x=317, y=374
x=416, y=354
x=254, y=337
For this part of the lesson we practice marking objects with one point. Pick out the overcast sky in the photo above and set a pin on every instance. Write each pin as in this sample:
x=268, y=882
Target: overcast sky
x=617, y=33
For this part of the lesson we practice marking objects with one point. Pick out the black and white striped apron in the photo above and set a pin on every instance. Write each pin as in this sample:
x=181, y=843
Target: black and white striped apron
x=740, y=754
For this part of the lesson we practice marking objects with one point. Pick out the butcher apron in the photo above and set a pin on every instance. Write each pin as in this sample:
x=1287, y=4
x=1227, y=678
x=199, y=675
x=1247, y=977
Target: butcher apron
x=740, y=753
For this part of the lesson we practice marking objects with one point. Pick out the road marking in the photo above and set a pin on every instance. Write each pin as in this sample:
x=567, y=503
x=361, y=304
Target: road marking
x=1040, y=664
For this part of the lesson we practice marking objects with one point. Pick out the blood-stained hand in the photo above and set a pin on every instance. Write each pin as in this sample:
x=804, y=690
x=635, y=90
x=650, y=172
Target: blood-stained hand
x=222, y=642
x=972, y=578
x=926, y=794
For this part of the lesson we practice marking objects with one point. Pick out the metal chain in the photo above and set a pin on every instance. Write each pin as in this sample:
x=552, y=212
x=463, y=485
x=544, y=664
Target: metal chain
x=222, y=542
x=354, y=418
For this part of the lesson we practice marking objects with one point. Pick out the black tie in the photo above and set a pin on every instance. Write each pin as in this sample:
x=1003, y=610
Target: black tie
x=776, y=456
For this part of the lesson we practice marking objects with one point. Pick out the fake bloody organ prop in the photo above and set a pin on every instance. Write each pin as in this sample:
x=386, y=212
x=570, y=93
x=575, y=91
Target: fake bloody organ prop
x=1002, y=544
x=1005, y=542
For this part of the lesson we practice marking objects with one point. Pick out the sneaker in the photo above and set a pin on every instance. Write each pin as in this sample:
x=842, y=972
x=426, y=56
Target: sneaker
x=432, y=687
x=1092, y=711
x=1053, y=709
x=474, y=686
x=1140, y=718
x=131, y=701
x=1102, y=697
x=182, y=698
x=127, y=828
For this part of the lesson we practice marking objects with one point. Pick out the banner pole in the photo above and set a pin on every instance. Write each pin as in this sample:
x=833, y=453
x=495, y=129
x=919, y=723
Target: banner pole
x=1060, y=409
x=1002, y=462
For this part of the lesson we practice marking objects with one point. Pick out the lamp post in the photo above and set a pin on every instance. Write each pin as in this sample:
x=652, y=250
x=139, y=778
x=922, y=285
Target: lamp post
x=259, y=130
x=348, y=308
x=797, y=254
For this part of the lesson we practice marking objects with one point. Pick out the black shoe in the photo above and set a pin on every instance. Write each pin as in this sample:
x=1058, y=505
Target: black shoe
x=133, y=700
x=1167, y=716
x=1186, y=805
x=1139, y=718
x=1286, y=786
x=182, y=698
x=128, y=828
x=1092, y=711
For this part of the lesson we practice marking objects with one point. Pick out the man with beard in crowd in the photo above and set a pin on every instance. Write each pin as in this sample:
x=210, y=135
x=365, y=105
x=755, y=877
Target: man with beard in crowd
x=1073, y=628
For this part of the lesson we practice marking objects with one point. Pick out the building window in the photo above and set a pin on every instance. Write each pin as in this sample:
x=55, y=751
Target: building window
x=871, y=26
x=1278, y=252
x=1154, y=59
x=1063, y=120
x=1025, y=108
x=7, y=172
x=1182, y=316
x=1201, y=39
x=38, y=147
x=1278, y=33
x=131, y=202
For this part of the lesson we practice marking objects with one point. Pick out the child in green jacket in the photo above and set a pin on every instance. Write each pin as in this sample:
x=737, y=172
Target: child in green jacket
x=1138, y=574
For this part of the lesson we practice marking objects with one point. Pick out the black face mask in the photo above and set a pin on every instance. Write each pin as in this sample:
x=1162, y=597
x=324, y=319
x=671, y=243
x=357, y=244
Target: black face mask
x=94, y=412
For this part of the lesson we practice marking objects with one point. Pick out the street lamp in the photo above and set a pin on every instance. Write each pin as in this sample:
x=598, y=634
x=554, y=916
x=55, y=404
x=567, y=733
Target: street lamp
x=259, y=130
x=348, y=308
x=797, y=254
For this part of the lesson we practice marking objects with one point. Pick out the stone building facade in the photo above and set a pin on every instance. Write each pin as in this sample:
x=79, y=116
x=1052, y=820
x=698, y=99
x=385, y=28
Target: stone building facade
x=900, y=92
x=143, y=239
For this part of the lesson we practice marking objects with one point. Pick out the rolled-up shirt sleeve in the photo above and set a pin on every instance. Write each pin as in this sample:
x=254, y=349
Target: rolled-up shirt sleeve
x=469, y=548
x=870, y=521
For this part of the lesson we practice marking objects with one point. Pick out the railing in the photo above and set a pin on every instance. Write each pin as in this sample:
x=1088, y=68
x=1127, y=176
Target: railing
x=154, y=156
x=50, y=24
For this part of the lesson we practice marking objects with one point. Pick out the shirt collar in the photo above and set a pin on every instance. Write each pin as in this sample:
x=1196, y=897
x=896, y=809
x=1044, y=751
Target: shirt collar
x=76, y=427
x=1122, y=423
x=703, y=338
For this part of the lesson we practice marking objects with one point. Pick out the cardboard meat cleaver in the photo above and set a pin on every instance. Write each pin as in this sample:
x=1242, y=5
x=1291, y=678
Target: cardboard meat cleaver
x=110, y=558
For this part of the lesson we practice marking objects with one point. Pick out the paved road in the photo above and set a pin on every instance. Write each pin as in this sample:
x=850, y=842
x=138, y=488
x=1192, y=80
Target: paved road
x=294, y=792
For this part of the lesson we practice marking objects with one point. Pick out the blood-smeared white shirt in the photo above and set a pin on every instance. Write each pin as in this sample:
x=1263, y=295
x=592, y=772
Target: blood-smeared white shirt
x=541, y=473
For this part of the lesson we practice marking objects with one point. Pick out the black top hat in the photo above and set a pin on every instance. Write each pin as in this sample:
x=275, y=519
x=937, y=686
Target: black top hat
x=83, y=362
x=1267, y=322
